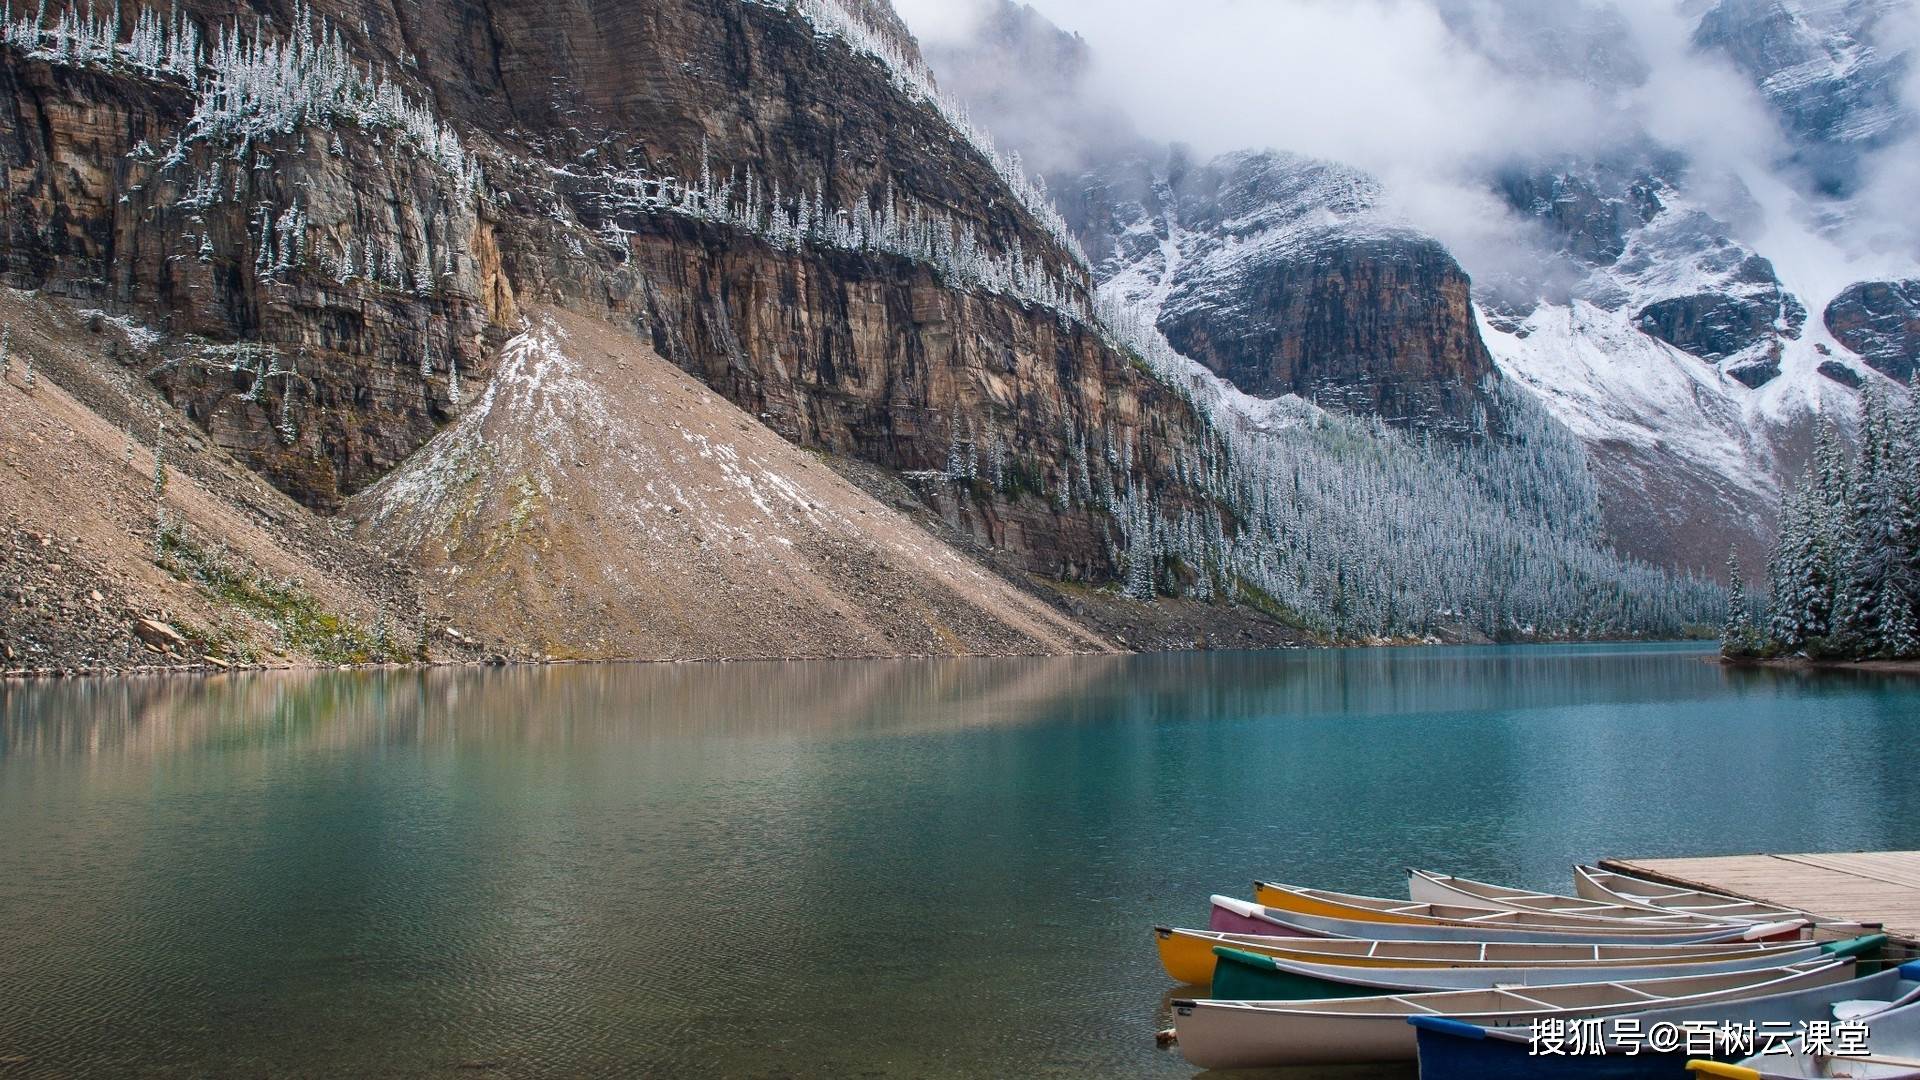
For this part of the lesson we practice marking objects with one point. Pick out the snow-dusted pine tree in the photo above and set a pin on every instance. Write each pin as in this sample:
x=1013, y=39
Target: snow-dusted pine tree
x=1738, y=638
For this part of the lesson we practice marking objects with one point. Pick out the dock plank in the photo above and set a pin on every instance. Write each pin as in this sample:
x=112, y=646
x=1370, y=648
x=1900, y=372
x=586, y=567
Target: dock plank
x=1855, y=886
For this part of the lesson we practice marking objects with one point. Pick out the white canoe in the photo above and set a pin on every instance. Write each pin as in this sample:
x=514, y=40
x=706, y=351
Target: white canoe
x=1428, y=887
x=1610, y=887
x=1240, y=917
x=1413, y=980
x=1451, y=1050
x=1256, y=1035
x=1188, y=954
x=1893, y=1042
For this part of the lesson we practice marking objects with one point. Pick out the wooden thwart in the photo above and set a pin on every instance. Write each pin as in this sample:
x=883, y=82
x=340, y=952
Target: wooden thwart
x=1863, y=886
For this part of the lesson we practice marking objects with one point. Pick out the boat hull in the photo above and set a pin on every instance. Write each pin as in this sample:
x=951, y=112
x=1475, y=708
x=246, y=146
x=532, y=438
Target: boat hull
x=1242, y=976
x=1357, y=1031
x=1237, y=917
x=1454, y=1051
x=1213, y=1037
x=1593, y=883
x=1187, y=955
x=1444, y=1057
x=1481, y=912
x=1225, y=920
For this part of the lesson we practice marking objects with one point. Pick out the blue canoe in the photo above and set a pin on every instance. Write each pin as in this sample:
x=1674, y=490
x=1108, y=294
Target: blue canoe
x=1453, y=1050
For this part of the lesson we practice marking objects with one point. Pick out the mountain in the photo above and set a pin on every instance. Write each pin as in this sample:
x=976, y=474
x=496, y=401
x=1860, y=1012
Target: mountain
x=1824, y=68
x=1283, y=275
x=1686, y=320
x=354, y=240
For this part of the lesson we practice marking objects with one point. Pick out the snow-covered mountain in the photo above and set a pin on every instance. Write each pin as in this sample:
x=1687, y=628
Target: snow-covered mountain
x=1690, y=315
x=1288, y=275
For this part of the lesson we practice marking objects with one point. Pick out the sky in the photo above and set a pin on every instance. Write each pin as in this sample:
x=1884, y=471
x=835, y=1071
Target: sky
x=1392, y=87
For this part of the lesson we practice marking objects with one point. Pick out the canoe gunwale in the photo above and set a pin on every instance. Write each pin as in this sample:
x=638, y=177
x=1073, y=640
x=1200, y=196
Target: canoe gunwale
x=1322, y=904
x=1313, y=926
x=1434, y=887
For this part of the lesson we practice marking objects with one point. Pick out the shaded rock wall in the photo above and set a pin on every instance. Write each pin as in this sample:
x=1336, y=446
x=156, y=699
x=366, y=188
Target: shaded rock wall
x=1880, y=320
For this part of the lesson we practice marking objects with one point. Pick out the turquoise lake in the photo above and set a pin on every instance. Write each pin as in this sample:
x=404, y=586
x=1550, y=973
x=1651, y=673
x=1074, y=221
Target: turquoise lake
x=937, y=868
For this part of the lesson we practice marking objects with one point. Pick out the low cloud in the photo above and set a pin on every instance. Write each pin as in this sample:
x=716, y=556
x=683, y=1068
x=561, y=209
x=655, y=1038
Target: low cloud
x=1431, y=95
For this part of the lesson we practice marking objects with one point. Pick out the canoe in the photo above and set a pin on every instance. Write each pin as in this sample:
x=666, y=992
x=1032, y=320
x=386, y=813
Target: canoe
x=1893, y=1041
x=1248, y=976
x=1188, y=954
x=1251, y=1035
x=1454, y=1050
x=1374, y=909
x=1605, y=885
x=1428, y=887
x=1232, y=916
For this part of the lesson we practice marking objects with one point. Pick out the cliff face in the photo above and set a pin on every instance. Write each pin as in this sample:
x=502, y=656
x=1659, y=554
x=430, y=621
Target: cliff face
x=333, y=241
x=310, y=375
x=1880, y=320
x=1382, y=327
x=1281, y=274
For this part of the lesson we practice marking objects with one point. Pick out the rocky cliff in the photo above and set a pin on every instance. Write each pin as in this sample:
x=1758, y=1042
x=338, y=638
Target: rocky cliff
x=1280, y=274
x=1880, y=320
x=329, y=220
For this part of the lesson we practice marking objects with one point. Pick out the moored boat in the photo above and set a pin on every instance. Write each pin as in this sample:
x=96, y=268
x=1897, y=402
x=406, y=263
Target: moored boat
x=1594, y=883
x=1380, y=909
x=1893, y=1053
x=1428, y=887
x=1188, y=955
x=1216, y=1034
x=1240, y=917
x=1248, y=976
x=1450, y=1049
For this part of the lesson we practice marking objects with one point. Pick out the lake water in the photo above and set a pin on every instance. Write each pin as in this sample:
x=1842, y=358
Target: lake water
x=942, y=868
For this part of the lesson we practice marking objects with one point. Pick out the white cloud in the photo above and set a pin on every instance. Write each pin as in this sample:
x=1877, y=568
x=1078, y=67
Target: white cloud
x=941, y=20
x=1430, y=101
x=1377, y=83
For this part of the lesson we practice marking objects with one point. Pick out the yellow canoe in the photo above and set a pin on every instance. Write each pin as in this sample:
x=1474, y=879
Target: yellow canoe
x=1335, y=905
x=1188, y=955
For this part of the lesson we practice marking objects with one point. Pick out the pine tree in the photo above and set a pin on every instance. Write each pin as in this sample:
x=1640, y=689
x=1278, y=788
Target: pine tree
x=289, y=434
x=1871, y=542
x=1895, y=634
x=1738, y=639
x=1801, y=599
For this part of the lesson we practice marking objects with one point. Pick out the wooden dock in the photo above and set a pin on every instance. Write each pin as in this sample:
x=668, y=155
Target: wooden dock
x=1863, y=886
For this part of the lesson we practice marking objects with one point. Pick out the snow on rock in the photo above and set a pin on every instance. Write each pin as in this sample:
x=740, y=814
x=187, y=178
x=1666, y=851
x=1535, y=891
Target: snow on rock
x=1610, y=383
x=1691, y=460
